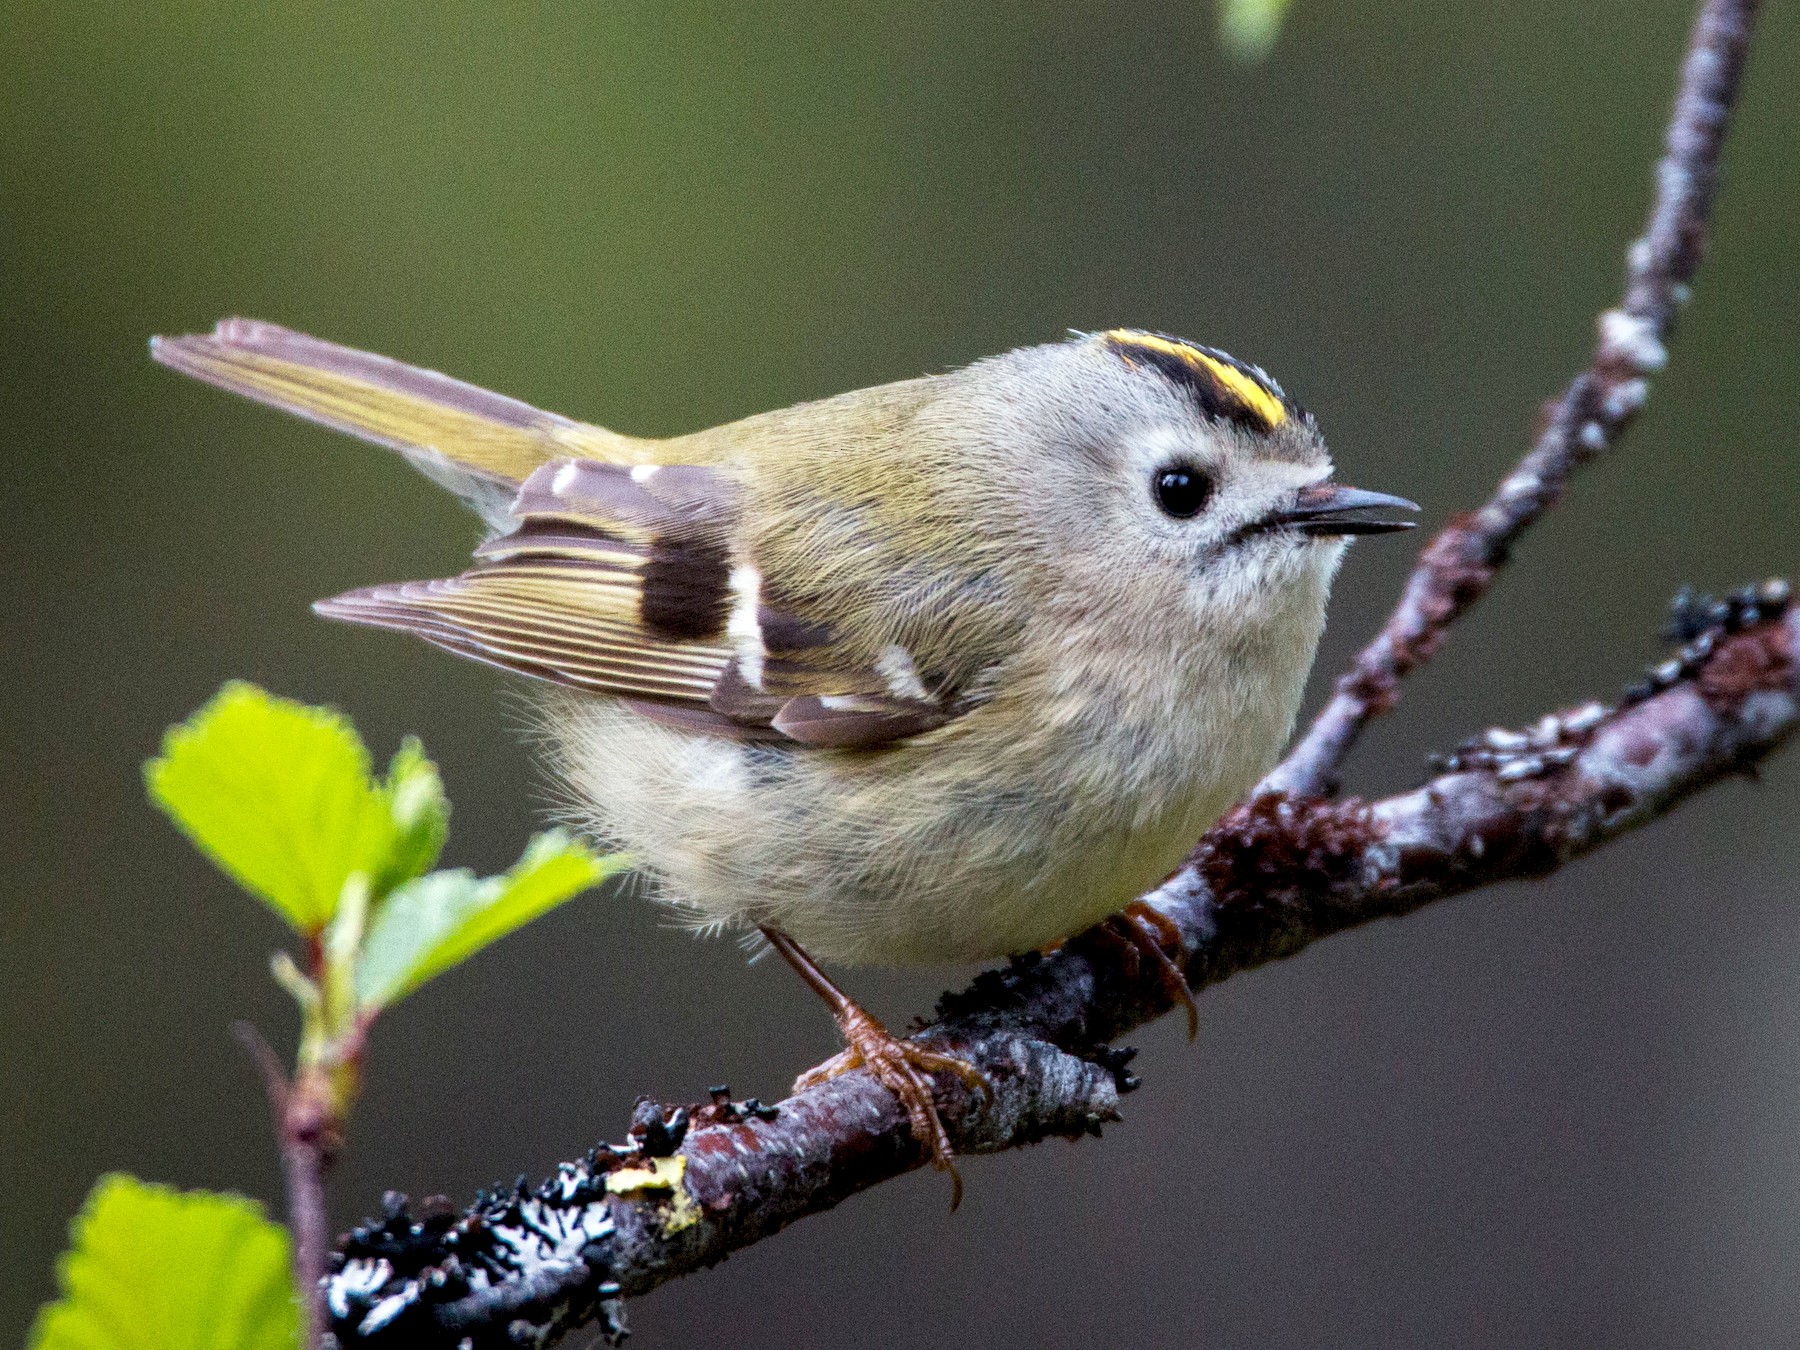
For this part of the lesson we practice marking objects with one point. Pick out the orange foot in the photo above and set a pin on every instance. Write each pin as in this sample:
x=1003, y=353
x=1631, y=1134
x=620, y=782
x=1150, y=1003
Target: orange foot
x=1151, y=933
x=903, y=1068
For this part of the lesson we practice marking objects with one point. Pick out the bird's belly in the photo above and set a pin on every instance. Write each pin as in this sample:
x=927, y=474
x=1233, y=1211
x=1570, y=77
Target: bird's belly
x=913, y=855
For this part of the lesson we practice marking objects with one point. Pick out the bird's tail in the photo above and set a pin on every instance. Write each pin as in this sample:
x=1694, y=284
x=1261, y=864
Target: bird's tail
x=479, y=445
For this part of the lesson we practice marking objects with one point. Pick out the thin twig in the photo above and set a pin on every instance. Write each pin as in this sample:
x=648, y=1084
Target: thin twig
x=268, y=1064
x=303, y=1163
x=308, y=1135
x=1460, y=564
x=526, y=1266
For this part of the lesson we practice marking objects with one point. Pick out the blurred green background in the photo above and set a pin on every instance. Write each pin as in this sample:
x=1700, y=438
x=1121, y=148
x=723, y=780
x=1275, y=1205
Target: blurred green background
x=1556, y=1113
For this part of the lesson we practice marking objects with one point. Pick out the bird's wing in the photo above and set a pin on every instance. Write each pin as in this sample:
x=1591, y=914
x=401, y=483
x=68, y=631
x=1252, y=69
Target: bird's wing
x=480, y=445
x=631, y=581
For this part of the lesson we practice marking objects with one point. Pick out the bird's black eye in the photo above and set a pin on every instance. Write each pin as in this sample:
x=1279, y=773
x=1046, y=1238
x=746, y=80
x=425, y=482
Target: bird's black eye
x=1181, y=491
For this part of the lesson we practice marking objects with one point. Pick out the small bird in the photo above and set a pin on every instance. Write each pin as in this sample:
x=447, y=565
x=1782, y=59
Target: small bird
x=937, y=671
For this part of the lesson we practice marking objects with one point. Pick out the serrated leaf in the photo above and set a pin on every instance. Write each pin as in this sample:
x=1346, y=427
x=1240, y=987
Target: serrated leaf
x=1248, y=28
x=429, y=925
x=280, y=796
x=152, y=1268
x=420, y=813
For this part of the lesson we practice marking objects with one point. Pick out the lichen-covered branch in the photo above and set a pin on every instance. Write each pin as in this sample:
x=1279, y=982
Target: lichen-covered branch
x=1460, y=564
x=691, y=1185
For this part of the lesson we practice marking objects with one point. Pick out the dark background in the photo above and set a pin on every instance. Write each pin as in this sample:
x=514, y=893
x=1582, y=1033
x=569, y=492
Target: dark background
x=1554, y=1113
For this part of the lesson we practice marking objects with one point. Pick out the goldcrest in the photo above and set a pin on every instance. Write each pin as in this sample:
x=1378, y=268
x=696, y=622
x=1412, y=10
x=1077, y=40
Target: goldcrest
x=936, y=671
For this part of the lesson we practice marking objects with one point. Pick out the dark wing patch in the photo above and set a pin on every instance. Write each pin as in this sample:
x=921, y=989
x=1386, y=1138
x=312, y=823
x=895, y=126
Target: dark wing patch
x=843, y=721
x=784, y=633
x=623, y=581
x=666, y=529
x=686, y=589
x=735, y=697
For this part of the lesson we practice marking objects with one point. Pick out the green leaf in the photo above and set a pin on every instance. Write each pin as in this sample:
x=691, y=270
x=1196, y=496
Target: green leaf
x=429, y=925
x=279, y=795
x=1248, y=28
x=420, y=813
x=152, y=1268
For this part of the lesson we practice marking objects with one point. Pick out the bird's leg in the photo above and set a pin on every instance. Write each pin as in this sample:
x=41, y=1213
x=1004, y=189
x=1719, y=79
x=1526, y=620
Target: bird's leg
x=903, y=1068
x=1147, y=930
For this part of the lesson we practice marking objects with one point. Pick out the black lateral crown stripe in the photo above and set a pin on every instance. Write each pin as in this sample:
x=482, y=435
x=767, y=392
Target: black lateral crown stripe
x=686, y=589
x=1190, y=366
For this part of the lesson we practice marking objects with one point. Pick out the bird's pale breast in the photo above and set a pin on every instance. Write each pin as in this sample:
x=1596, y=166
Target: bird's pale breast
x=1086, y=779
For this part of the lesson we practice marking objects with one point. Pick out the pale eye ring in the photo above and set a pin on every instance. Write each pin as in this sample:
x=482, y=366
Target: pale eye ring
x=1181, y=490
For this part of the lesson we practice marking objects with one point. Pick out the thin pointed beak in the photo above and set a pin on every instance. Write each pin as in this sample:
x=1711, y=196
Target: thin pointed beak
x=1329, y=509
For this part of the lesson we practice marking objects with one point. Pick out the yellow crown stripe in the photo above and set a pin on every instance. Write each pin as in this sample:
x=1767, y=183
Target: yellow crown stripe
x=1256, y=399
x=1151, y=342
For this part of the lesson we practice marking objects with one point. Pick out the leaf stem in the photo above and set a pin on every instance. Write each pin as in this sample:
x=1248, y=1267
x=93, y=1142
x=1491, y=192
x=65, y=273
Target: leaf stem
x=308, y=1142
x=309, y=1134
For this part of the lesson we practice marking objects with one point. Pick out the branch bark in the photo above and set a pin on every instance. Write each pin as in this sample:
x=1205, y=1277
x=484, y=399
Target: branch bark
x=1460, y=564
x=1284, y=869
x=693, y=1184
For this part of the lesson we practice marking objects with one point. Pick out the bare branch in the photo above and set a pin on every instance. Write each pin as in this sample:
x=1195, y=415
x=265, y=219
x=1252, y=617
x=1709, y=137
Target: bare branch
x=1457, y=567
x=304, y=1160
x=1274, y=876
x=309, y=1135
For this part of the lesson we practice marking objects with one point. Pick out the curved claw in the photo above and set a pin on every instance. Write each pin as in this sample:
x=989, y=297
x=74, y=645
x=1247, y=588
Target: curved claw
x=1148, y=930
x=903, y=1068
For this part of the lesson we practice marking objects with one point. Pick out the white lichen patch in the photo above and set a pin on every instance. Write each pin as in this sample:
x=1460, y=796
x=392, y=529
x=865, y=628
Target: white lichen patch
x=1633, y=338
x=360, y=1279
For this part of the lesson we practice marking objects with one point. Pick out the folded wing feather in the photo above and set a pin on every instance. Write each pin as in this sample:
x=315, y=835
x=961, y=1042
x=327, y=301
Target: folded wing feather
x=625, y=581
x=606, y=572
